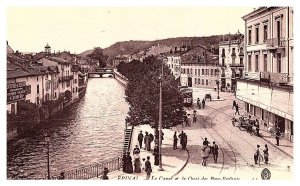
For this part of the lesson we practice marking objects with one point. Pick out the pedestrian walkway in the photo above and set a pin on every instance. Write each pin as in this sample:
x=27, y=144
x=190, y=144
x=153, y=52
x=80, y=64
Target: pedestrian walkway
x=172, y=160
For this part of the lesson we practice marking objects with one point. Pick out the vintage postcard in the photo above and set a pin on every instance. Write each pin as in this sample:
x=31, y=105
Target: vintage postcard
x=150, y=93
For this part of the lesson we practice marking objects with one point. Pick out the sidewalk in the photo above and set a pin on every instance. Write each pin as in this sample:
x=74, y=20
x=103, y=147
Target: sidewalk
x=172, y=160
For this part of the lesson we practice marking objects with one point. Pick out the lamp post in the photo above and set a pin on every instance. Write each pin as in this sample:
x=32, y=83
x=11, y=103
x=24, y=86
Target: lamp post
x=47, y=139
x=160, y=117
x=218, y=83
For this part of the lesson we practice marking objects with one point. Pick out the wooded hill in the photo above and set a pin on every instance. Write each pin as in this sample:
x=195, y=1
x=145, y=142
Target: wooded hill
x=128, y=47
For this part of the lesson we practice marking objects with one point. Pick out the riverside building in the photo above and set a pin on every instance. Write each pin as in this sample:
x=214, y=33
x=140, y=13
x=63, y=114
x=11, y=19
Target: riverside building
x=267, y=83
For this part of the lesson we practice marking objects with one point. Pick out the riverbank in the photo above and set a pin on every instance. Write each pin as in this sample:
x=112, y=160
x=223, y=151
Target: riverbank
x=34, y=115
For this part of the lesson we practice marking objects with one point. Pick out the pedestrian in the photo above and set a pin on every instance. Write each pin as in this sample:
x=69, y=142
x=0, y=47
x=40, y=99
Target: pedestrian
x=140, y=139
x=147, y=141
x=203, y=103
x=233, y=104
x=188, y=123
x=181, y=139
x=204, y=153
x=127, y=163
x=205, y=142
x=198, y=103
x=266, y=154
x=256, y=154
x=156, y=155
x=148, y=168
x=184, y=141
x=215, y=152
x=143, y=164
x=175, y=139
x=237, y=109
x=137, y=163
x=151, y=138
x=136, y=150
x=105, y=172
x=185, y=120
x=257, y=127
x=277, y=135
x=61, y=176
x=194, y=116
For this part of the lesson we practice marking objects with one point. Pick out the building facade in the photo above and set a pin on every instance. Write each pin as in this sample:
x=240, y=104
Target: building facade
x=231, y=61
x=267, y=83
x=173, y=61
x=199, y=68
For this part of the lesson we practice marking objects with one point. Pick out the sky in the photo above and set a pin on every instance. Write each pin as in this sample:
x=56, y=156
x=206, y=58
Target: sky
x=77, y=29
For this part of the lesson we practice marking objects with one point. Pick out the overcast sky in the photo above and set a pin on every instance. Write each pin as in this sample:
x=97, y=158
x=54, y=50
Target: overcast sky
x=76, y=29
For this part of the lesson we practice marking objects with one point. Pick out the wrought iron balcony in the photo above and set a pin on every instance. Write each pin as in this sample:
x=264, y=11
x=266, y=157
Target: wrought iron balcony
x=274, y=77
x=65, y=78
x=236, y=65
x=277, y=42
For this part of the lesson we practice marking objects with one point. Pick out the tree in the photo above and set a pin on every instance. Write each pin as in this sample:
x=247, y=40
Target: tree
x=97, y=54
x=142, y=92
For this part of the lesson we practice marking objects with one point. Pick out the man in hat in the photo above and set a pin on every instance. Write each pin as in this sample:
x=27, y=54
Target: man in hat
x=140, y=139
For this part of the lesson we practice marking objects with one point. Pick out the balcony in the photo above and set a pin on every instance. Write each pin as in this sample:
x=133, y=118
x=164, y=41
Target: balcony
x=274, y=77
x=276, y=43
x=236, y=65
x=65, y=78
x=252, y=75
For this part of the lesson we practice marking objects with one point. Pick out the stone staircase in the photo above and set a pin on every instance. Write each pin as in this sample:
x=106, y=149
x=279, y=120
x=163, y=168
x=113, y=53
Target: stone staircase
x=127, y=139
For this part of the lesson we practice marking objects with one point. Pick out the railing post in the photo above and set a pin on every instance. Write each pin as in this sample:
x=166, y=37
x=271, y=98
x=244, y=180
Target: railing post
x=97, y=169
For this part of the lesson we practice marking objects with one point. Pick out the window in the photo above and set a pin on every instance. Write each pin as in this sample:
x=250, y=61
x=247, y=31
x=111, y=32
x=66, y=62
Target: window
x=195, y=72
x=207, y=82
x=249, y=63
x=37, y=89
x=223, y=62
x=265, y=32
x=212, y=72
x=223, y=52
x=233, y=52
x=202, y=81
x=195, y=81
x=73, y=89
x=207, y=72
x=202, y=71
x=55, y=95
x=241, y=61
x=216, y=71
x=233, y=61
x=37, y=78
x=76, y=89
x=249, y=36
x=279, y=62
x=188, y=71
x=265, y=62
x=199, y=73
x=256, y=63
x=199, y=81
x=257, y=34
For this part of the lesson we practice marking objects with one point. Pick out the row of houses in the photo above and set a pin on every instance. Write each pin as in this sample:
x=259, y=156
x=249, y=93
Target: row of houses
x=40, y=85
x=257, y=66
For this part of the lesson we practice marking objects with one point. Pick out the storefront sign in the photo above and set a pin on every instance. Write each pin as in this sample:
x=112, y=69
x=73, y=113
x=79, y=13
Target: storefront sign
x=16, y=92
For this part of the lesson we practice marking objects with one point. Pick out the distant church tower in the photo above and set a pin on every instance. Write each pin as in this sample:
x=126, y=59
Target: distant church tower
x=47, y=50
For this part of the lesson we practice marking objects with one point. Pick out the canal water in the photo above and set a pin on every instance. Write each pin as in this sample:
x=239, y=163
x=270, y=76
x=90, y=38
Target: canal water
x=89, y=132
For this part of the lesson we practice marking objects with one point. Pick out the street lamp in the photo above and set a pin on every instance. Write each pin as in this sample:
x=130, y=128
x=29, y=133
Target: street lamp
x=160, y=117
x=47, y=139
x=218, y=83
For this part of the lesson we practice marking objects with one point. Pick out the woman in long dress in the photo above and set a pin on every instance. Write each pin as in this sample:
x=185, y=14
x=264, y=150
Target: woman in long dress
x=137, y=163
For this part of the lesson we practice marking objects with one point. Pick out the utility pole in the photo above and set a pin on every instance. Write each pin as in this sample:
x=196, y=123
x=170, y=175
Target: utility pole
x=160, y=116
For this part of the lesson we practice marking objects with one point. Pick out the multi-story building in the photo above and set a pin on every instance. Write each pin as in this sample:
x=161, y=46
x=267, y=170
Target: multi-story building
x=173, y=61
x=267, y=84
x=199, y=68
x=231, y=61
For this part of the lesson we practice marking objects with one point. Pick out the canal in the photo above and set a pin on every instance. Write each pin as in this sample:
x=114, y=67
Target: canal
x=89, y=132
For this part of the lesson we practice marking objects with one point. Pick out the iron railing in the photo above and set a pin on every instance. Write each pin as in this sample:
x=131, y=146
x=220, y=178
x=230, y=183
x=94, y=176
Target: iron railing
x=276, y=42
x=92, y=171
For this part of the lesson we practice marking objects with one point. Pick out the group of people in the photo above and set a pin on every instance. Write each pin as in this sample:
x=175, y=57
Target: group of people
x=206, y=150
x=148, y=139
x=199, y=103
x=258, y=156
x=183, y=140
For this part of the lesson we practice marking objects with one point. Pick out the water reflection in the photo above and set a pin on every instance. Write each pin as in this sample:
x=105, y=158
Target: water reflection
x=89, y=132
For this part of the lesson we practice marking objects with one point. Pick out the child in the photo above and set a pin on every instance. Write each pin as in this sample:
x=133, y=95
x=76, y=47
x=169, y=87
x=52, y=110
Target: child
x=143, y=164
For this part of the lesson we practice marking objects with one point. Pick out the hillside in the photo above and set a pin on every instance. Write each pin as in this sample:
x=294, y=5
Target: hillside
x=127, y=47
